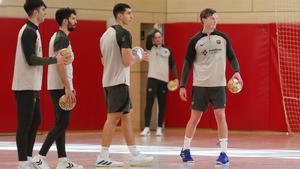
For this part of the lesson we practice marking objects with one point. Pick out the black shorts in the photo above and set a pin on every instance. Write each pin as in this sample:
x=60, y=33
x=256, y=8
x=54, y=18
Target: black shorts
x=201, y=96
x=117, y=99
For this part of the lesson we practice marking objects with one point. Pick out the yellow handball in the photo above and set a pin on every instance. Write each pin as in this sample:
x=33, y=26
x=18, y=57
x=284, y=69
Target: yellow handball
x=137, y=53
x=66, y=104
x=172, y=85
x=66, y=52
x=234, y=86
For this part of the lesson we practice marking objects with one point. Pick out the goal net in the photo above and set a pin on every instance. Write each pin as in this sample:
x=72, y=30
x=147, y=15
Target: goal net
x=288, y=42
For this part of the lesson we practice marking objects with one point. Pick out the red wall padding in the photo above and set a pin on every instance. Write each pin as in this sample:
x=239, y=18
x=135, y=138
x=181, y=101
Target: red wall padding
x=8, y=32
x=258, y=106
x=90, y=111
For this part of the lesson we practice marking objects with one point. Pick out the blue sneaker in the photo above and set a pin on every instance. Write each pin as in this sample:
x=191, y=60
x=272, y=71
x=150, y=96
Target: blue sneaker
x=222, y=159
x=186, y=156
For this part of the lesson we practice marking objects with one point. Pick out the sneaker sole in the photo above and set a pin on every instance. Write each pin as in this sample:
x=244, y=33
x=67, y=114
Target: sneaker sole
x=221, y=165
x=144, y=135
x=97, y=167
x=141, y=163
x=36, y=167
x=111, y=165
x=77, y=168
x=187, y=161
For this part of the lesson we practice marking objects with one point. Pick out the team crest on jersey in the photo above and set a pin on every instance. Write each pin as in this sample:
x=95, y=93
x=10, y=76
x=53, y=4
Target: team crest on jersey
x=204, y=52
x=218, y=41
x=165, y=52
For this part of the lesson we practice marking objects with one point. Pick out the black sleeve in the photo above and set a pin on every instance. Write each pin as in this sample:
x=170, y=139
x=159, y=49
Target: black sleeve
x=28, y=42
x=60, y=42
x=191, y=52
x=124, y=39
x=172, y=65
x=231, y=55
x=188, y=63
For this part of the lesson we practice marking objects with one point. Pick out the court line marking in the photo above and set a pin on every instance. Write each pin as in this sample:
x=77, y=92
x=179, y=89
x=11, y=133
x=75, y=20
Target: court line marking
x=169, y=150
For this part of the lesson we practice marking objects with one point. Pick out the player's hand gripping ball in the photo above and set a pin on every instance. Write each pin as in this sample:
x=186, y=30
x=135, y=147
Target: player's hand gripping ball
x=137, y=52
x=172, y=85
x=66, y=104
x=234, y=86
x=66, y=53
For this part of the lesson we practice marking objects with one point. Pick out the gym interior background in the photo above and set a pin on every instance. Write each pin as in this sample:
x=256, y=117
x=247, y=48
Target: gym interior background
x=249, y=24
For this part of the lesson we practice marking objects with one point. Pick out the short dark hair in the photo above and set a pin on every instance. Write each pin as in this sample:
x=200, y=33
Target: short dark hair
x=31, y=5
x=207, y=12
x=63, y=13
x=120, y=8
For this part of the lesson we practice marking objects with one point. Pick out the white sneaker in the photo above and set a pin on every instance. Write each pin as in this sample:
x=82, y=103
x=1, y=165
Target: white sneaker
x=145, y=132
x=107, y=162
x=140, y=159
x=31, y=165
x=40, y=162
x=29, y=158
x=159, y=131
x=67, y=164
x=25, y=165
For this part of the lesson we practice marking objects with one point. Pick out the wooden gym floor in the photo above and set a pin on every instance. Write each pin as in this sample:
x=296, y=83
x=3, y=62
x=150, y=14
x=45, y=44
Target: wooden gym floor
x=247, y=150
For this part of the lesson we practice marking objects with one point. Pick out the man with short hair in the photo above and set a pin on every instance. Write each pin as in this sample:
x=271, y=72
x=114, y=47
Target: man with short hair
x=116, y=44
x=27, y=80
x=60, y=82
x=207, y=52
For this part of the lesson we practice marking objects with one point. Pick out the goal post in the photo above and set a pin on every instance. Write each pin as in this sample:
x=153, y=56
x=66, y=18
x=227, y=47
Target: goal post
x=288, y=44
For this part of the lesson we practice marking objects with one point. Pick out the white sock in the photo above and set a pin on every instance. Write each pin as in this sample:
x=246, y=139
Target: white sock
x=43, y=157
x=62, y=159
x=146, y=129
x=223, y=144
x=104, y=153
x=23, y=164
x=133, y=150
x=187, y=143
x=29, y=158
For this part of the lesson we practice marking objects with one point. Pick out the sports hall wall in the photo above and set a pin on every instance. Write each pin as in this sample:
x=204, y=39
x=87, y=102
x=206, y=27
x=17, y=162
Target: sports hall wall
x=90, y=111
x=93, y=16
x=258, y=106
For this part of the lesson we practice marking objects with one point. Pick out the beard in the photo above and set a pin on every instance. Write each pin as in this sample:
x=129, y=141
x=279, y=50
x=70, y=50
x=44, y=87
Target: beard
x=71, y=27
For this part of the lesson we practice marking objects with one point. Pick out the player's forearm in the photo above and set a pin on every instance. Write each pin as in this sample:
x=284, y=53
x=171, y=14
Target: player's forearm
x=235, y=65
x=234, y=62
x=231, y=57
x=35, y=60
x=185, y=73
x=174, y=70
x=62, y=71
x=127, y=57
x=129, y=61
x=173, y=66
x=28, y=41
